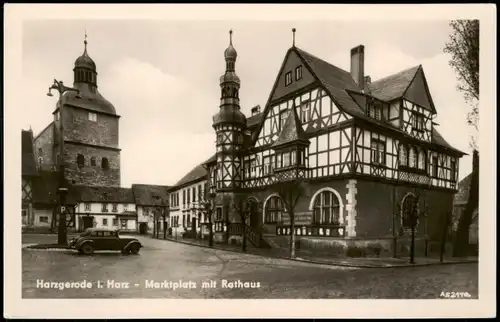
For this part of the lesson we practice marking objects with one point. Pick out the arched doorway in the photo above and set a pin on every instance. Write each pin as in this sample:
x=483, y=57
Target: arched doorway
x=255, y=213
x=409, y=212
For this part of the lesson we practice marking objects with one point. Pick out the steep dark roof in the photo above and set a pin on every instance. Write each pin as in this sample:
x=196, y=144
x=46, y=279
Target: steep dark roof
x=439, y=140
x=254, y=120
x=292, y=130
x=45, y=187
x=105, y=194
x=462, y=194
x=195, y=174
x=28, y=165
x=393, y=86
x=150, y=195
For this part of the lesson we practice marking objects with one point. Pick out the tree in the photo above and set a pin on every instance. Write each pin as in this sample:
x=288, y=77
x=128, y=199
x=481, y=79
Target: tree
x=289, y=193
x=208, y=209
x=463, y=46
x=243, y=208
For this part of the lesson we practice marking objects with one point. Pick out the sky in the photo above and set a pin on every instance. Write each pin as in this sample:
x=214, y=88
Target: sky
x=163, y=77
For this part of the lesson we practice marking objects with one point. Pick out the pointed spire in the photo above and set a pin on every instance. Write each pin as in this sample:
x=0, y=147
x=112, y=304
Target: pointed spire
x=231, y=37
x=293, y=33
x=85, y=41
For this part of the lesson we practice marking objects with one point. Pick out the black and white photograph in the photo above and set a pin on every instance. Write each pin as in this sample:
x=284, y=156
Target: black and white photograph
x=228, y=157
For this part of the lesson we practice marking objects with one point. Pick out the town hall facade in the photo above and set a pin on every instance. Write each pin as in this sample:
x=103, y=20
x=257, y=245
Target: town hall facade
x=366, y=151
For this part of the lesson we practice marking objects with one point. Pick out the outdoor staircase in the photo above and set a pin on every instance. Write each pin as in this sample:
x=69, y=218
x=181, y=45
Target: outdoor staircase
x=254, y=236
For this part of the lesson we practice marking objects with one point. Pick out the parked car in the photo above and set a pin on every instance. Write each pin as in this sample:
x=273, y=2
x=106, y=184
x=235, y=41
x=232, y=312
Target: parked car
x=93, y=239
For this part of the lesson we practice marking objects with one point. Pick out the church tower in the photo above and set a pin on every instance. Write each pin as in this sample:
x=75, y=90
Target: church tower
x=91, y=150
x=229, y=125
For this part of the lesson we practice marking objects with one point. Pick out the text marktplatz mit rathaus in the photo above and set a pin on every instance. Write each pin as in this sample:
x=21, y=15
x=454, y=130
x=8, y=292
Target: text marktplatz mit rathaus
x=151, y=284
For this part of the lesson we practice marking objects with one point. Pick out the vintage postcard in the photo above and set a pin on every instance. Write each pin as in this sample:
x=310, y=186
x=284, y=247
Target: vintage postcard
x=249, y=152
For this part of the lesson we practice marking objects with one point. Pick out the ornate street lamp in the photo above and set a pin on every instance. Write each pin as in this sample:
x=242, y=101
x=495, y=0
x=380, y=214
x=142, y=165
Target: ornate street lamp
x=62, y=191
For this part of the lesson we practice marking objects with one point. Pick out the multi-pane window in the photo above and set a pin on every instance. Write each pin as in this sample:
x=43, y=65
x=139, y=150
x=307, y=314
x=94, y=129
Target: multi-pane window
x=298, y=73
x=326, y=209
x=418, y=121
x=92, y=117
x=115, y=222
x=288, y=78
x=115, y=208
x=267, y=165
x=218, y=214
x=104, y=207
x=377, y=152
x=188, y=195
x=104, y=221
x=92, y=161
x=434, y=166
x=44, y=219
x=412, y=158
x=183, y=197
x=87, y=207
x=283, y=117
x=375, y=111
x=305, y=111
x=421, y=159
x=453, y=169
x=125, y=206
x=274, y=211
x=286, y=159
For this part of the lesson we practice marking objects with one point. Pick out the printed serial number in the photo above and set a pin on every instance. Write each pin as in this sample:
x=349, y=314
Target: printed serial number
x=455, y=295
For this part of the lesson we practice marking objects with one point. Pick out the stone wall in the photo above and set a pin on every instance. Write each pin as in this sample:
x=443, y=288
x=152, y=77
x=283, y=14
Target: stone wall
x=90, y=174
x=78, y=128
x=43, y=145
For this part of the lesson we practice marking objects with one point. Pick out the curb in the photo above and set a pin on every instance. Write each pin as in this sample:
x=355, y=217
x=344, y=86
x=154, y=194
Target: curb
x=46, y=247
x=322, y=262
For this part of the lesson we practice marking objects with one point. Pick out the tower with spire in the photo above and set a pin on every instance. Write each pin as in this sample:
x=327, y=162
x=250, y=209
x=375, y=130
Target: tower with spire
x=91, y=125
x=229, y=125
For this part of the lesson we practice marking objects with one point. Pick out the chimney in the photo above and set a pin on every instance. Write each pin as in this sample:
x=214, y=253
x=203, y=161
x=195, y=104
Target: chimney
x=368, y=80
x=358, y=65
x=255, y=110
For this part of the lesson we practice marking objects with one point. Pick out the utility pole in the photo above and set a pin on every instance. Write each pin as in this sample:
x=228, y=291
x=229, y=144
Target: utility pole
x=62, y=191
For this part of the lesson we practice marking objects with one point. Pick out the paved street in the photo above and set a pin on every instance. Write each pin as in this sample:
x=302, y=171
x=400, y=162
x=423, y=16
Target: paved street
x=114, y=275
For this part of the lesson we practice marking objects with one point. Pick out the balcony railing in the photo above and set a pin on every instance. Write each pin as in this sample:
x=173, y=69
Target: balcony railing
x=312, y=230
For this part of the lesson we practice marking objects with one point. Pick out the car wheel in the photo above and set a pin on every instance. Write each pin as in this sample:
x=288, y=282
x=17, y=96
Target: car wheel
x=134, y=249
x=80, y=251
x=87, y=249
x=125, y=251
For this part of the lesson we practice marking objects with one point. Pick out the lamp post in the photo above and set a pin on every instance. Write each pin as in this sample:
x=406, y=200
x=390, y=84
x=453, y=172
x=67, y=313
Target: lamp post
x=62, y=191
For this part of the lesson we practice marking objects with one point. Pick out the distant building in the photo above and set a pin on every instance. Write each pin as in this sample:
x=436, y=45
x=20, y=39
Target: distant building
x=152, y=207
x=459, y=204
x=29, y=174
x=106, y=207
x=185, y=206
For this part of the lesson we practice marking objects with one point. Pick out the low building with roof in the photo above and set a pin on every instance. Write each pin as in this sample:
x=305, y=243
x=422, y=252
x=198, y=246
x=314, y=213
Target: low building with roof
x=106, y=207
x=152, y=203
x=185, y=197
x=459, y=204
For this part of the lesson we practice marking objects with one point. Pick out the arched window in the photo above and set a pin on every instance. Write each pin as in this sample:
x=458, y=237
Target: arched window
x=105, y=163
x=421, y=159
x=274, y=210
x=80, y=160
x=412, y=158
x=326, y=209
x=403, y=155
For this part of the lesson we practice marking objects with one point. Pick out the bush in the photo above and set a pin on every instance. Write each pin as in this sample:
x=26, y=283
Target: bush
x=355, y=251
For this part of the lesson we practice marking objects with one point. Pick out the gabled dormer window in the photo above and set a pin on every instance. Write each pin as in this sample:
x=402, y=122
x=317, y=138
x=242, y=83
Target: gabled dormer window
x=418, y=121
x=288, y=78
x=375, y=111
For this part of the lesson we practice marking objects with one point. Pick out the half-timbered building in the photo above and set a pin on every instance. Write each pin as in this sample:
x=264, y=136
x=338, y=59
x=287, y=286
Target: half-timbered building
x=368, y=153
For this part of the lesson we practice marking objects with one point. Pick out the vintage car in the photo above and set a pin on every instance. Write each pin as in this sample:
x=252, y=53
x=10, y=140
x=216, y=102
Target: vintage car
x=93, y=239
